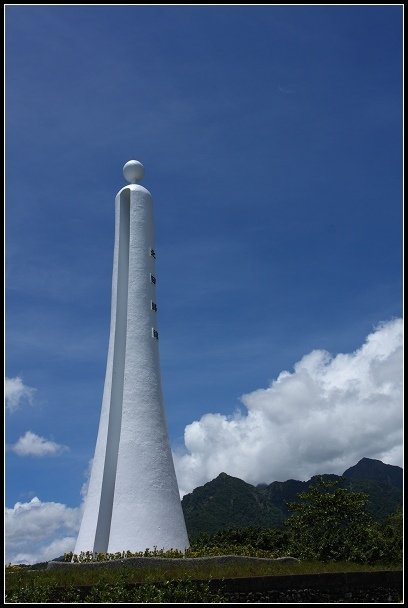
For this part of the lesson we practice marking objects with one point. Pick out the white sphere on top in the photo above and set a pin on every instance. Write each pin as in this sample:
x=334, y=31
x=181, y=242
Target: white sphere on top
x=133, y=171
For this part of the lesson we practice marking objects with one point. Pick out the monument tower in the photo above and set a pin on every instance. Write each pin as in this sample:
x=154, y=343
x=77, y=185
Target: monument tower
x=133, y=501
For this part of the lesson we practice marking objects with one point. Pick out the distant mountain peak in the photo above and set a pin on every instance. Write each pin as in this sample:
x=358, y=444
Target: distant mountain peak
x=375, y=470
x=365, y=459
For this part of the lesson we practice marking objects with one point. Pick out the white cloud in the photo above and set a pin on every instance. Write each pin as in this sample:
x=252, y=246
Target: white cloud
x=39, y=531
x=321, y=418
x=31, y=444
x=16, y=392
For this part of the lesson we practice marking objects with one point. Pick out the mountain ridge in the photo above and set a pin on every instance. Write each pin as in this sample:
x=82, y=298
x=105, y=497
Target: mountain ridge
x=229, y=502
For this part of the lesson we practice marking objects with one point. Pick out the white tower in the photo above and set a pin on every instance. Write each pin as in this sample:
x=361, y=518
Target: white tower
x=133, y=501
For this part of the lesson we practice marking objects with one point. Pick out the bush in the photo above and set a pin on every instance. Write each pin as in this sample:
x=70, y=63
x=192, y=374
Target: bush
x=26, y=590
x=187, y=591
x=167, y=592
x=332, y=524
x=271, y=540
x=253, y=542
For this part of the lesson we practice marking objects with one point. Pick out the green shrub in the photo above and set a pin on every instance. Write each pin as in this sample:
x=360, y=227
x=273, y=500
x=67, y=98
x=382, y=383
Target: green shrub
x=332, y=524
x=168, y=592
x=270, y=540
x=27, y=590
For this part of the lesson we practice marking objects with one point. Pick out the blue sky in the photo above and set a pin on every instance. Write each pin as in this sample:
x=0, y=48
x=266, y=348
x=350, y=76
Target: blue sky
x=271, y=139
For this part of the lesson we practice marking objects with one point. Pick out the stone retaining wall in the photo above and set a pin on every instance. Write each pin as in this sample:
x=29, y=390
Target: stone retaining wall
x=347, y=587
x=166, y=561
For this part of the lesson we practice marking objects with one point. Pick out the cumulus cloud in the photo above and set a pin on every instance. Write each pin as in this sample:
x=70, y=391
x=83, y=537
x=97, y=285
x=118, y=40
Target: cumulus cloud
x=39, y=531
x=31, y=444
x=322, y=417
x=16, y=392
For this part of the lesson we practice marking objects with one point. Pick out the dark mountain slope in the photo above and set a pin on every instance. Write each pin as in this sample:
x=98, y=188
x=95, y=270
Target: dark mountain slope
x=228, y=502
x=375, y=470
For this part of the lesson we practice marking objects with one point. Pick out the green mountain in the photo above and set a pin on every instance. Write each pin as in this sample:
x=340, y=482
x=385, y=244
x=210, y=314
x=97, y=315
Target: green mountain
x=375, y=470
x=228, y=502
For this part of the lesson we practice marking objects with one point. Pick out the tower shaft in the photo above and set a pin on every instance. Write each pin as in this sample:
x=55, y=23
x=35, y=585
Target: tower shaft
x=133, y=500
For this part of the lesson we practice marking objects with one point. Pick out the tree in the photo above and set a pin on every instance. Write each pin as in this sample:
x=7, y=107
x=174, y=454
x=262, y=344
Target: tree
x=330, y=523
x=392, y=533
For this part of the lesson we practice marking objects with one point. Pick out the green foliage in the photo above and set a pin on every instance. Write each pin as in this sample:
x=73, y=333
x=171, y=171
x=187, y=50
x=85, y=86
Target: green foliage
x=390, y=535
x=175, y=583
x=228, y=502
x=333, y=523
x=204, y=546
x=331, y=530
x=329, y=523
x=26, y=590
x=89, y=556
x=383, y=499
x=252, y=542
x=257, y=542
x=167, y=592
x=186, y=591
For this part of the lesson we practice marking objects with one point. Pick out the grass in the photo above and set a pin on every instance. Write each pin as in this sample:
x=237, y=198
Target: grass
x=170, y=583
x=205, y=572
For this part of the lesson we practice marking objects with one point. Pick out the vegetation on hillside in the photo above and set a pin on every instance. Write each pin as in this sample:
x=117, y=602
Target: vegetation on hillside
x=331, y=523
x=329, y=529
x=228, y=502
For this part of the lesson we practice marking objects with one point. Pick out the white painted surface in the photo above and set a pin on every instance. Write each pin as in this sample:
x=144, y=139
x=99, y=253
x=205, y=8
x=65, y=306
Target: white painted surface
x=133, y=499
x=133, y=171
